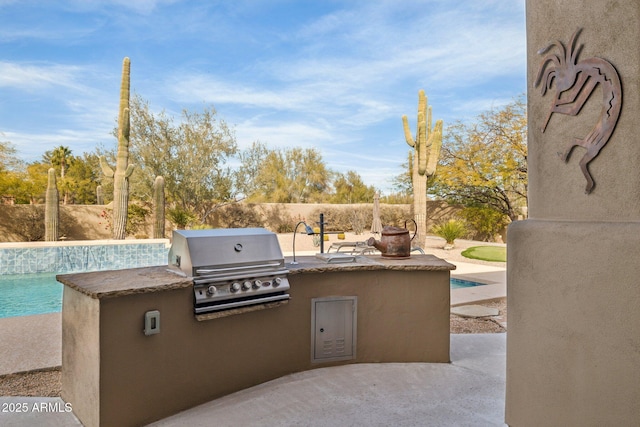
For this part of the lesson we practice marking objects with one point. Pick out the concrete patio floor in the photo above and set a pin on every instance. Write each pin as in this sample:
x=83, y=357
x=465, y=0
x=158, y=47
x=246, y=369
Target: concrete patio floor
x=469, y=391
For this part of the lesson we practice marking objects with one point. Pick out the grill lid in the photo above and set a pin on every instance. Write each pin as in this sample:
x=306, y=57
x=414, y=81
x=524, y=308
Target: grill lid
x=224, y=251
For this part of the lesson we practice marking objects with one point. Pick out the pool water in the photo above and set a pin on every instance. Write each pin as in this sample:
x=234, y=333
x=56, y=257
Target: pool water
x=459, y=283
x=29, y=294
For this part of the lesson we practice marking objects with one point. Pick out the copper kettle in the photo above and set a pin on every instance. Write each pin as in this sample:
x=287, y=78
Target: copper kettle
x=394, y=242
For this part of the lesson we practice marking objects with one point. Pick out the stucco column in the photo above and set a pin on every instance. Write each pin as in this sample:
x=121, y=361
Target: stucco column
x=573, y=344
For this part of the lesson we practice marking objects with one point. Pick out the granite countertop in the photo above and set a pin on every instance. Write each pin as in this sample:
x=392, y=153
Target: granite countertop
x=312, y=264
x=115, y=283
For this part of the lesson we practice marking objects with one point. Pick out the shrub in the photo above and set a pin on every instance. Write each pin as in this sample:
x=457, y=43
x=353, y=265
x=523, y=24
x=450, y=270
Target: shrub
x=27, y=223
x=136, y=219
x=345, y=217
x=180, y=217
x=484, y=222
x=395, y=215
x=201, y=227
x=278, y=220
x=239, y=215
x=450, y=230
x=360, y=218
x=30, y=224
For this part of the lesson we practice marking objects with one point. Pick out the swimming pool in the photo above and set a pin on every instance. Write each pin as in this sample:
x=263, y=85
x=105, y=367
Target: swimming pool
x=30, y=294
x=459, y=283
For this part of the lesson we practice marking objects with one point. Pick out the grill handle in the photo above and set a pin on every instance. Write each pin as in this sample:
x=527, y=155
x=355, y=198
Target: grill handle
x=228, y=269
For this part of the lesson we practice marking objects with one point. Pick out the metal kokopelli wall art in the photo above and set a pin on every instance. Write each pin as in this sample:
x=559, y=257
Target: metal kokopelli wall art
x=574, y=82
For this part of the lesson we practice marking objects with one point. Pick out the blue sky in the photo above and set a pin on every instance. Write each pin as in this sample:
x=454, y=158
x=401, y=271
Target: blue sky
x=332, y=75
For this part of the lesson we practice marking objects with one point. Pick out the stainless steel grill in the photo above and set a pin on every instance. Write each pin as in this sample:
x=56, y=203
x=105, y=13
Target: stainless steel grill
x=230, y=268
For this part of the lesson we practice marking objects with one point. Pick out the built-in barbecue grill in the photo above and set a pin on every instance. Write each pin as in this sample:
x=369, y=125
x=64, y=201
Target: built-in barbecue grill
x=230, y=268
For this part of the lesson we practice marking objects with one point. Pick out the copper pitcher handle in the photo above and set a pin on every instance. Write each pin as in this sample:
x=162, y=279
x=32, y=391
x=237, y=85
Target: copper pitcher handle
x=416, y=227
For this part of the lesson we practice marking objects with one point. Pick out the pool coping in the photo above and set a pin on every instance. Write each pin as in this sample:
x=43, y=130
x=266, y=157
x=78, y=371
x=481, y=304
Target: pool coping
x=108, y=242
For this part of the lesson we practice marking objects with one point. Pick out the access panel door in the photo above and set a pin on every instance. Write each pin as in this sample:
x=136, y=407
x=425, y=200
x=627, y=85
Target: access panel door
x=333, y=328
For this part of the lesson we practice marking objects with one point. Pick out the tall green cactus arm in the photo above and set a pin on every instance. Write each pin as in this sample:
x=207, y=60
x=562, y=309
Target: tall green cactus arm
x=123, y=143
x=407, y=132
x=422, y=130
x=106, y=169
x=421, y=143
x=422, y=101
x=125, y=86
x=434, y=144
x=429, y=128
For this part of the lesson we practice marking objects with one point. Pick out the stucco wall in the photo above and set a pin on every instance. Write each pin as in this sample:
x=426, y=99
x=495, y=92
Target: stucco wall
x=573, y=343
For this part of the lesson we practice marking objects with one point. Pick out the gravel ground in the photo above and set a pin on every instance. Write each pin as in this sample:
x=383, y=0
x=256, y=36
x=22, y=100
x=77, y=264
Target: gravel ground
x=47, y=383
x=485, y=325
x=35, y=383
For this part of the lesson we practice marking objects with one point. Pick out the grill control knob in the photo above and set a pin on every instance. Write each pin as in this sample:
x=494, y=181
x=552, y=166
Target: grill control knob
x=257, y=284
x=276, y=282
x=211, y=290
x=235, y=287
x=246, y=286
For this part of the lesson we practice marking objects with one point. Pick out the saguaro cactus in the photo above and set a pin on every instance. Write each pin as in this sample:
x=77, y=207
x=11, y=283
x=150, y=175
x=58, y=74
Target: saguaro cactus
x=158, y=208
x=51, y=208
x=99, y=199
x=123, y=168
x=426, y=147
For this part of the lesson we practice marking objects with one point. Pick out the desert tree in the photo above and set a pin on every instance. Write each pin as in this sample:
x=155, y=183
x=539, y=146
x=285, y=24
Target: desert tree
x=484, y=162
x=284, y=175
x=349, y=188
x=192, y=153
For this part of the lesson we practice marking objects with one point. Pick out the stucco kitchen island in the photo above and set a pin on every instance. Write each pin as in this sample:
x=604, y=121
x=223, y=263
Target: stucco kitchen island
x=115, y=375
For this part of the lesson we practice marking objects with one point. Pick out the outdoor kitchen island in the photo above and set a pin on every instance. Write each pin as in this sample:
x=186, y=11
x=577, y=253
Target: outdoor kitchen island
x=134, y=351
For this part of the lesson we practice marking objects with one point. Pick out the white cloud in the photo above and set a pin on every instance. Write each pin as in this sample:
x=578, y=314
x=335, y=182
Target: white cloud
x=32, y=77
x=31, y=146
x=282, y=135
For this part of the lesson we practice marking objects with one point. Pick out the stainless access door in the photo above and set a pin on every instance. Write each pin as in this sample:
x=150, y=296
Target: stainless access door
x=333, y=328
